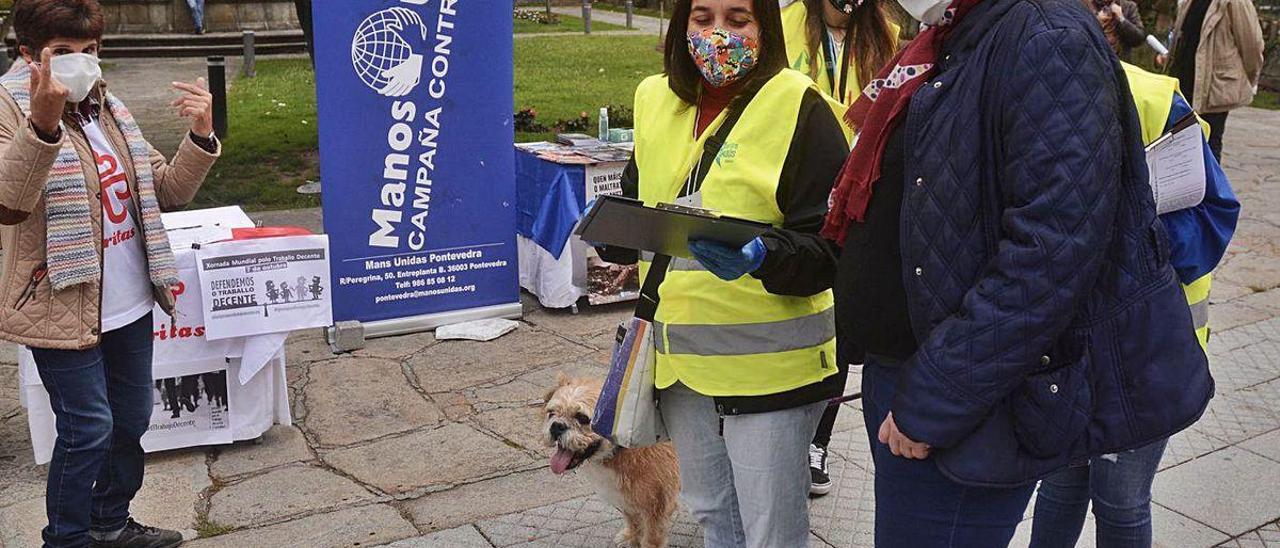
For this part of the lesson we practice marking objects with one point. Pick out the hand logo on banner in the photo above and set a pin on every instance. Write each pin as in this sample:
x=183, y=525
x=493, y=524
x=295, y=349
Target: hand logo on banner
x=383, y=59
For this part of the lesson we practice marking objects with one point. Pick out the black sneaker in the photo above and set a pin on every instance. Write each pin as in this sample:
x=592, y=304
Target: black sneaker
x=819, y=479
x=137, y=535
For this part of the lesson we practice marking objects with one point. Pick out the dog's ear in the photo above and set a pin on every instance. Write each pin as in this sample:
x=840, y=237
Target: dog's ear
x=546, y=398
x=562, y=379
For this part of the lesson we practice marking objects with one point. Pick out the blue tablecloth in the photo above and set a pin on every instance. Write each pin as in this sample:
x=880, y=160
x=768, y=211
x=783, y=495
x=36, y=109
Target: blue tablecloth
x=549, y=200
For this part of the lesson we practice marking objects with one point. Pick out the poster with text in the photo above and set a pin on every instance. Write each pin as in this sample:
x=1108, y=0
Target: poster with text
x=267, y=285
x=608, y=282
x=190, y=409
x=416, y=140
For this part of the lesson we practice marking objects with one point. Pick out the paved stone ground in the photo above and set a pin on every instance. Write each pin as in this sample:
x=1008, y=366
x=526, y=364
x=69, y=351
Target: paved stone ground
x=423, y=443
x=144, y=84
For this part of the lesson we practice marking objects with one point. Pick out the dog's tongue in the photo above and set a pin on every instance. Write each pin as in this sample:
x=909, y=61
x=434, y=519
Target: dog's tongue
x=560, y=461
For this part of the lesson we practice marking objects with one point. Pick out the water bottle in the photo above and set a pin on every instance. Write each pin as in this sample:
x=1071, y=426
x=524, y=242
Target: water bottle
x=604, y=124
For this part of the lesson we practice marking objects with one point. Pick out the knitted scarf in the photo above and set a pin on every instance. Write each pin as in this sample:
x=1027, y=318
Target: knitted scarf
x=877, y=112
x=72, y=254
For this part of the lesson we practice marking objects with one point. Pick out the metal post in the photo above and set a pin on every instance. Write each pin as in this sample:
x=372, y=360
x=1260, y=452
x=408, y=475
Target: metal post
x=218, y=87
x=662, y=14
x=586, y=16
x=250, y=64
x=631, y=6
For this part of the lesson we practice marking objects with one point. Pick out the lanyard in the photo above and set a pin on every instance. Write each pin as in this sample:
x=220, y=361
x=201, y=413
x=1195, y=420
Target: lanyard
x=829, y=52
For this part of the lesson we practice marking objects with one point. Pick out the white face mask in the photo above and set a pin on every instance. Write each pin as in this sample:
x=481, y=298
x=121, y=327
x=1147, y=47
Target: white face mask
x=928, y=12
x=79, y=72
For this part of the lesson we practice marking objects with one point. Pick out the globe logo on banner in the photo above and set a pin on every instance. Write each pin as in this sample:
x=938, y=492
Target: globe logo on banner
x=383, y=59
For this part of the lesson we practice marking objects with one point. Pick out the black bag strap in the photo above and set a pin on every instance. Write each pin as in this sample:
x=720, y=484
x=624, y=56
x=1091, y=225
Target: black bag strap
x=647, y=309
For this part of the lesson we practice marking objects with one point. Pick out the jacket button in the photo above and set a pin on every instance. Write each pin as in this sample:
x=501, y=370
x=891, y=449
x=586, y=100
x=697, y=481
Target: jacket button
x=1053, y=388
x=94, y=331
x=919, y=271
x=919, y=181
x=1045, y=360
x=937, y=85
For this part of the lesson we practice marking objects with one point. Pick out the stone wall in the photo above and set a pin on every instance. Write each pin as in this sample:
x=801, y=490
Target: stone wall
x=172, y=16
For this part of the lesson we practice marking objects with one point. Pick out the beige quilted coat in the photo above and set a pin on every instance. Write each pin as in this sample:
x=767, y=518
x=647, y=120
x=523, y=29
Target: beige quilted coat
x=69, y=319
x=1229, y=58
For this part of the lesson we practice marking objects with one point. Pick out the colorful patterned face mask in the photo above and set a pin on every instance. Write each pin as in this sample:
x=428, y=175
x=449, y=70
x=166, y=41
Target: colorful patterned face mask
x=723, y=56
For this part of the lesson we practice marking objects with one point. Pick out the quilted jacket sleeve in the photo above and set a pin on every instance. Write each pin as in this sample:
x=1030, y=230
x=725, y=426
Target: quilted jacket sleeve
x=177, y=181
x=1059, y=167
x=24, y=163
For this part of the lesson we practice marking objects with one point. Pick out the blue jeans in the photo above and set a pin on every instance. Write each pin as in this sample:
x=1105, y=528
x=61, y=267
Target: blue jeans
x=745, y=478
x=102, y=399
x=916, y=505
x=197, y=12
x=1120, y=488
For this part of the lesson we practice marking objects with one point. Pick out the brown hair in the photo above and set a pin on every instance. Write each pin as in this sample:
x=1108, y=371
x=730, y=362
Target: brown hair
x=37, y=22
x=870, y=38
x=685, y=79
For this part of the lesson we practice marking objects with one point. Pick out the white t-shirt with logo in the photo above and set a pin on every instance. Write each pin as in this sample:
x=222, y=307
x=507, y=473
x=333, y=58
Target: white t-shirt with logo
x=126, y=284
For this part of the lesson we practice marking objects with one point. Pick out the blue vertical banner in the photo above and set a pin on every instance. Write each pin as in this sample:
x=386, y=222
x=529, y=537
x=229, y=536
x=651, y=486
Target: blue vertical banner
x=416, y=157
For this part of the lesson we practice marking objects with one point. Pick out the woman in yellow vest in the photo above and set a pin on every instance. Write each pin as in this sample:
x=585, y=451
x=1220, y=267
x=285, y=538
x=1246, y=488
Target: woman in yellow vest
x=1120, y=484
x=746, y=346
x=840, y=44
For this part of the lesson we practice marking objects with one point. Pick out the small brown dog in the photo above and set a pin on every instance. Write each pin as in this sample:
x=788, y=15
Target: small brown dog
x=641, y=483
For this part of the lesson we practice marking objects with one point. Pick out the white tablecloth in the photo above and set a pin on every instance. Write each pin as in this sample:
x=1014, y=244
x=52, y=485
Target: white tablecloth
x=257, y=389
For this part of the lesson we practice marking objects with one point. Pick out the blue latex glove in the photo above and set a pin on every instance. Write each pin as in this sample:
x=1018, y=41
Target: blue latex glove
x=728, y=262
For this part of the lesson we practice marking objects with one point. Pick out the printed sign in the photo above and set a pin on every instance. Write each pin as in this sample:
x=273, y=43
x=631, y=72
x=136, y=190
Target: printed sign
x=190, y=409
x=415, y=150
x=608, y=282
x=268, y=285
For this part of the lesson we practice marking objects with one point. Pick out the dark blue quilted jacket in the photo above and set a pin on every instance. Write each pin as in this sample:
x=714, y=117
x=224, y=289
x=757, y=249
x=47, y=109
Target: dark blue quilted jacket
x=1051, y=326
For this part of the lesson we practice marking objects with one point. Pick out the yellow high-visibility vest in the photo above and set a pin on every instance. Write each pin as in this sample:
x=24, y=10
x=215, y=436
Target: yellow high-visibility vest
x=730, y=338
x=796, y=32
x=1153, y=97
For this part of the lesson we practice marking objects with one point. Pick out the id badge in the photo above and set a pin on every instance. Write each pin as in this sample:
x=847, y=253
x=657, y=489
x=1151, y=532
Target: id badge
x=692, y=200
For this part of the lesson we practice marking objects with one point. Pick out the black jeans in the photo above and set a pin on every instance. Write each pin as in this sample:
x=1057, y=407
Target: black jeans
x=102, y=398
x=1217, y=125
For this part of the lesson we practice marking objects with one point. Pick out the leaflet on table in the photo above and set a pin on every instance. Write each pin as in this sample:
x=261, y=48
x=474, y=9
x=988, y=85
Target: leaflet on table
x=192, y=407
x=201, y=226
x=1175, y=163
x=267, y=285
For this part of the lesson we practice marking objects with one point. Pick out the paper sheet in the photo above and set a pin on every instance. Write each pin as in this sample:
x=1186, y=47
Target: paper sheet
x=1176, y=166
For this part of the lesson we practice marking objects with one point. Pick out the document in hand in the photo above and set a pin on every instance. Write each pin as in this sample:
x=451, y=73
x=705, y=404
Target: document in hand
x=664, y=230
x=1175, y=162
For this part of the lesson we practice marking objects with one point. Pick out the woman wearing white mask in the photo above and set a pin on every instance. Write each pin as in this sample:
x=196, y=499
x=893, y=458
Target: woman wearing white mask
x=746, y=353
x=86, y=259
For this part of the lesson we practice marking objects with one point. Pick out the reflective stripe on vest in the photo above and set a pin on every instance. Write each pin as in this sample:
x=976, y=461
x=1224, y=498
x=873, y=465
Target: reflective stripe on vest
x=1153, y=98
x=750, y=338
x=729, y=338
x=1198, y=299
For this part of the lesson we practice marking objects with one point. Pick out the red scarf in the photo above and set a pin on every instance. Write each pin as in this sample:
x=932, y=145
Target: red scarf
x=876, y=113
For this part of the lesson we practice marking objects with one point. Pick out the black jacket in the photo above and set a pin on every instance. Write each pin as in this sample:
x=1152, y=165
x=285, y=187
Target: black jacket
x=799, y=262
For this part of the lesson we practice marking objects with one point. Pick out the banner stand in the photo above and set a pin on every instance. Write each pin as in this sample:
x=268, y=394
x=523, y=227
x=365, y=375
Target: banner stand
x=351, y=336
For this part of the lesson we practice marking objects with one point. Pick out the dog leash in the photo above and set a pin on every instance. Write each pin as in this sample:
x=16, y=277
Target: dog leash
x=844, y=399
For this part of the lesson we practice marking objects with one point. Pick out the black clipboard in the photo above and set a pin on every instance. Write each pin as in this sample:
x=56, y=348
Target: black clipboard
x=663, y=230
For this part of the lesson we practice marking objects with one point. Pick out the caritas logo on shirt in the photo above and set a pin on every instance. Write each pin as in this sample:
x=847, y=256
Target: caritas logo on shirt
x=115, y=202
x=173, y=330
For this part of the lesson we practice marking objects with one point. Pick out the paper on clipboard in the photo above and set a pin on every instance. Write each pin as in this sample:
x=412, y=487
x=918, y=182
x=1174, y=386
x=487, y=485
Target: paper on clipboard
x=1175, y=162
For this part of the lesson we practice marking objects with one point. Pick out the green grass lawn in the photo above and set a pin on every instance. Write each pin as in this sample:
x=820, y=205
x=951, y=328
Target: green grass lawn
x=272, y=144
x=1267, y=99
x=562, y=76
x=566, y=24
x=649, y=12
